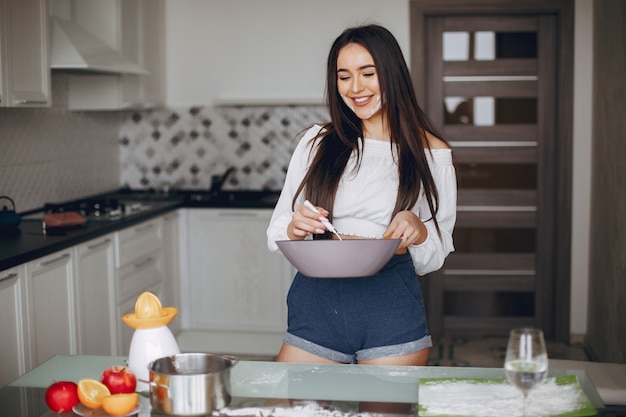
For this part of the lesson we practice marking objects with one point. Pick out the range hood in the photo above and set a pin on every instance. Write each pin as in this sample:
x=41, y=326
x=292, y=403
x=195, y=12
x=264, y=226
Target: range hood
x=74, y=48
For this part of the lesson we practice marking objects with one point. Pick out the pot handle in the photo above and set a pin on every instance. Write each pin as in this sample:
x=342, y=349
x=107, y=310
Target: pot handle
x=154, y=384
x=233, y=360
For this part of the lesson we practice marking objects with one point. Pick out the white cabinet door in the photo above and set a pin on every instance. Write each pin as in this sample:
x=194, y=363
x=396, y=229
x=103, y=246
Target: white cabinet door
x=50, y=282
x=13, y=342
x=171, y=266
x=234, y=288
x=143, y=24
x=235, y=282
x=139, y=268
x=95, y=275
x=24, y=60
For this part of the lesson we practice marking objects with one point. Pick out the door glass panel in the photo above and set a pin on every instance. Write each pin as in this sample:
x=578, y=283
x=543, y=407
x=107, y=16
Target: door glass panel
x=489, y=111
x=488, y=45
x=497, y=176
x=485, y=46
x=492, y=240
x=516, y=45
x=515, y=110
x=484, y=304
x=456, y=46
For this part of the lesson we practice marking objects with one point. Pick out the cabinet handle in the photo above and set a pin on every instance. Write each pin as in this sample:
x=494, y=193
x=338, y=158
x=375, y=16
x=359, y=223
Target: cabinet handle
x=8, y=277
x=143, y=263
x=32, y=101
x=144, y=227
x=51, y=261
x=97, y=245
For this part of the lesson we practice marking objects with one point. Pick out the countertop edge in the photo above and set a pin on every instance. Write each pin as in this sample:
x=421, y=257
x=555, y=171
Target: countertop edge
x=81, y=236
x=30, y=244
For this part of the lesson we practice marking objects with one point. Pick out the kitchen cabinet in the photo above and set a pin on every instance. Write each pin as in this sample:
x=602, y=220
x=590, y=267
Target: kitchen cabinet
x=72, y=301
x=139, y=268
x=24, y=65
x=141, y=37
x=171, y=265
x=14, y=360
x=51, y=306
x=235, y=287
x=145, y=20
x=95, y=280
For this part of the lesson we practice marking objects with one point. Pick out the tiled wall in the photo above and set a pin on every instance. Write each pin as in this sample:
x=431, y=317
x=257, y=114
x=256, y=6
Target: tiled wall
x=184, y=147
x=53, y=155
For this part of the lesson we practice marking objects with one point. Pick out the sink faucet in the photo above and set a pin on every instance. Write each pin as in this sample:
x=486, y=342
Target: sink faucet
x=217, y=181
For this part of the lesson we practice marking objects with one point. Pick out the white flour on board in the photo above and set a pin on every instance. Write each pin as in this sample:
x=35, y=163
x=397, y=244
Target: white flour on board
x=492, y=399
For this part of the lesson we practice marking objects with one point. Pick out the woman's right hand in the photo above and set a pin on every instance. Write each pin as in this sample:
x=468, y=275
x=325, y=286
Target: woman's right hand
x=305, y=222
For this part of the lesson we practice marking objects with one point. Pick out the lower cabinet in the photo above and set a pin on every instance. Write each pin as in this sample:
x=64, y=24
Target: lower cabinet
x=95, y=274
x=235, y=287
x=51, y=306
x=138, y=268
x=171, y=266
x=72, y=301
x=14, y=360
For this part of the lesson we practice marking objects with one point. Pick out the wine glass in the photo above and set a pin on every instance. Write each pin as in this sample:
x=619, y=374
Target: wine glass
x=526, y=362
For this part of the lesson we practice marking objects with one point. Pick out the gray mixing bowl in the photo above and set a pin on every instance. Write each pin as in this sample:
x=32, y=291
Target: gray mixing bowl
x=348, y=258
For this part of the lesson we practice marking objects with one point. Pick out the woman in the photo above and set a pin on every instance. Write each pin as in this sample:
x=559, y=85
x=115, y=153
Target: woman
x=379, y=168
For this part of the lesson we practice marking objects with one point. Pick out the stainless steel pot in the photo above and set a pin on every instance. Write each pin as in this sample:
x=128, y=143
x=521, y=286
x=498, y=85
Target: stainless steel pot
x=190, y=384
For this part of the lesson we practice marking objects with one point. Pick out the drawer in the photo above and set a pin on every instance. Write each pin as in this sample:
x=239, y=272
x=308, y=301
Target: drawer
x=135, y=242
x=136, y=277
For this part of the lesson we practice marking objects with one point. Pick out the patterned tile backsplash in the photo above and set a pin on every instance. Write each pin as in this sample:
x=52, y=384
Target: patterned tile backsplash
x=54, y=155
x=185, y=147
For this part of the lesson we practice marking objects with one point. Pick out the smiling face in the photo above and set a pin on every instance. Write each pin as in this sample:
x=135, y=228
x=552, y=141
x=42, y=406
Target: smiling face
x=357, y=82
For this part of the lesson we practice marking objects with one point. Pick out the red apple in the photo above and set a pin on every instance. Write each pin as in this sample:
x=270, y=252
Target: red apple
x=119, y=380
x=61, y=396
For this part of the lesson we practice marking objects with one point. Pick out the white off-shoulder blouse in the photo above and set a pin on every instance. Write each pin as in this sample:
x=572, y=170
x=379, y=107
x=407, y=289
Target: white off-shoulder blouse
x=366, y=198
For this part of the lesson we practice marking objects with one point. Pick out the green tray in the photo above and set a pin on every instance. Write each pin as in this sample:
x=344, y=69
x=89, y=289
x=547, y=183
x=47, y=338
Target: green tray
x=477, y=397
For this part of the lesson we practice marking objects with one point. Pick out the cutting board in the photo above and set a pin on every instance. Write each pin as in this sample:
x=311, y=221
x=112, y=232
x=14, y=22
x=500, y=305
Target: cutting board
x=473, y=397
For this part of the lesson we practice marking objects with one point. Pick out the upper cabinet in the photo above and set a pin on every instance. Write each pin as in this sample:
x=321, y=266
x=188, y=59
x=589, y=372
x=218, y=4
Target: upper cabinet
x=24, y=63
x=115, y=50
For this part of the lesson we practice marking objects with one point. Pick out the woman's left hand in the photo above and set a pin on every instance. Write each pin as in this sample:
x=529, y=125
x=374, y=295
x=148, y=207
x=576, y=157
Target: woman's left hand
x=407, y=226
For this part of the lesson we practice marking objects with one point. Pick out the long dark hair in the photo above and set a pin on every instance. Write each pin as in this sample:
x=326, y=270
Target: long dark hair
x=407, y=122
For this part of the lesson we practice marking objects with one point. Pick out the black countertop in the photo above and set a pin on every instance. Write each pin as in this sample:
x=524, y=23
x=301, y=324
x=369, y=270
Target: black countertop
x=31, y=243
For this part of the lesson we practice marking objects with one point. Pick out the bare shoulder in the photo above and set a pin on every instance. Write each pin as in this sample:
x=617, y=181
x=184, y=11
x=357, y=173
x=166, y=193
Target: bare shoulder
x=435, y=143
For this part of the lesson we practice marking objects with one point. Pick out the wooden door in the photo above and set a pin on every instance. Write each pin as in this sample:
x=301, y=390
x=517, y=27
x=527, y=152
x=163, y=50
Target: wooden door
x=490, y=83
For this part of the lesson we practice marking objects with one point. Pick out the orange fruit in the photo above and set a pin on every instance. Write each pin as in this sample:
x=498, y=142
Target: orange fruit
x=91, y=392
x=120, y=404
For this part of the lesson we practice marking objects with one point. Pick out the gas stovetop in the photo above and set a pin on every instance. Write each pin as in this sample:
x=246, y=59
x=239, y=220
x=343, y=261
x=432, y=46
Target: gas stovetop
x=93, y=209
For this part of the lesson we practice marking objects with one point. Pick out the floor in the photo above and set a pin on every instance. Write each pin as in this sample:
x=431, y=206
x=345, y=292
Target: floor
x=477, y=351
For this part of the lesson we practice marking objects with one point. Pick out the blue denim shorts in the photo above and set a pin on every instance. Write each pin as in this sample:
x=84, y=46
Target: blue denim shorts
x=352, y=319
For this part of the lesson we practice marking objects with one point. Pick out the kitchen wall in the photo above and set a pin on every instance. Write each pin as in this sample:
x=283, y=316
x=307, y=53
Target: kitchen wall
x=53, y=155
x=260, y=51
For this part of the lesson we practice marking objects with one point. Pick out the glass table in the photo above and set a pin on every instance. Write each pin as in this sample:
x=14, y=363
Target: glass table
x=349, y=389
